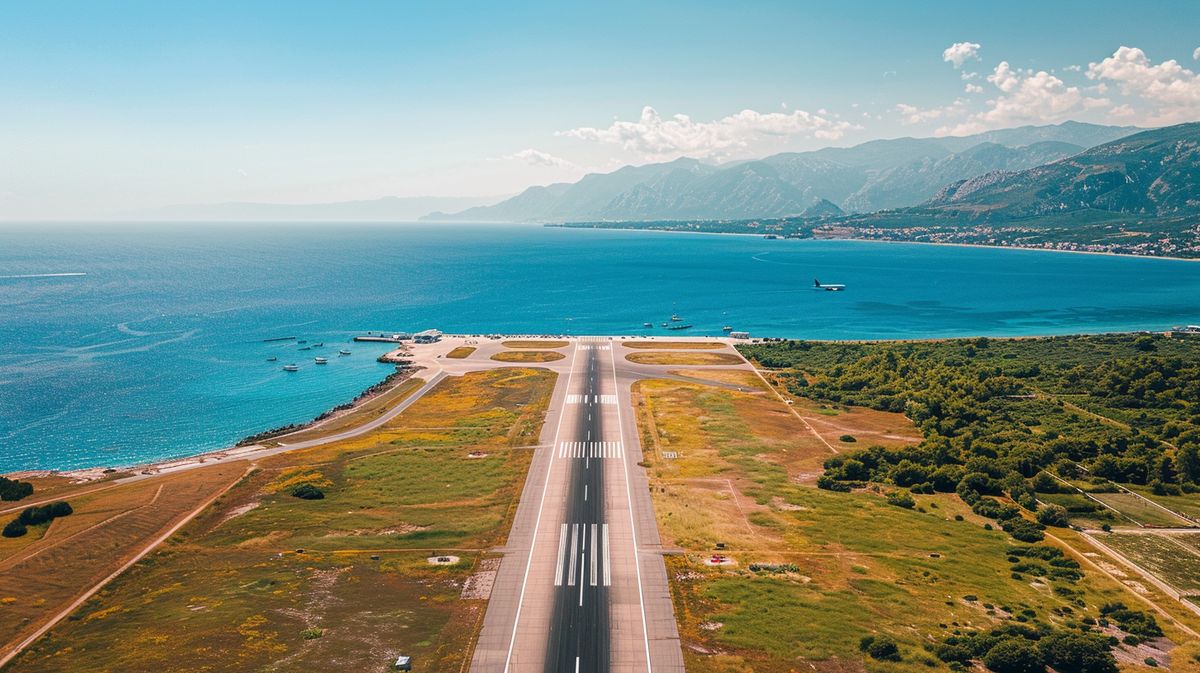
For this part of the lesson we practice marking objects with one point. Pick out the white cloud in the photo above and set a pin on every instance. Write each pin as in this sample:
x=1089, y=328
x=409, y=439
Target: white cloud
x=910, y=114
x=539, y=158
x=968, y=75
x=960, y=52
x=1171, y=88
x=973, y=88
x=1196, y=54
x=654, y=137
x=1027, y=97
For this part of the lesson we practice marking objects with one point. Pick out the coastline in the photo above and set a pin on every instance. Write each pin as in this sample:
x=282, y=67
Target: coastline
x=880, y=240
x=246, y=447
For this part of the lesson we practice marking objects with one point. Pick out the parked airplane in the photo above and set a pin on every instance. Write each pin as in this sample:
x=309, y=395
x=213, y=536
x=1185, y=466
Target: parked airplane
x=828, y=288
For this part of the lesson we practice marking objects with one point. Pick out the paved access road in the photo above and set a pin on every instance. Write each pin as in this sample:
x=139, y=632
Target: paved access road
x=582, y=587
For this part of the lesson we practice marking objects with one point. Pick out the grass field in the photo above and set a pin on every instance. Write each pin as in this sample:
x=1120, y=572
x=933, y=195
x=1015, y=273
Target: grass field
x=1187, y=504
x=534, y=343
x=528, y=356
x=57, y=563
x=685, y=358
x=460, y=352
x=858, y=565
x=231, y=591
x=674, y=345
x=1170, y=561
x=365, y=412
x=1141, y=511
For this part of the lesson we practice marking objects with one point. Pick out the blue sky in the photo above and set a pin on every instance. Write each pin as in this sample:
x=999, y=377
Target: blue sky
x=117, y=106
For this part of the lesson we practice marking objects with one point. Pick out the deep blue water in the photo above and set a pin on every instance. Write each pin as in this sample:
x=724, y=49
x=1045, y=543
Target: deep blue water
x=157, y=351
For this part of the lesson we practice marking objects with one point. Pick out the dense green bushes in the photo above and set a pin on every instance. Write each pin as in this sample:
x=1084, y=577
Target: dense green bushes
x=14, y=489
x=308, y=492
x=35, y=516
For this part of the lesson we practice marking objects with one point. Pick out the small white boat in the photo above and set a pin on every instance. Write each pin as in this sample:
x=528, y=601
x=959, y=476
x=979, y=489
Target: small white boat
x=647, y=324
x=343, y=352
x=676, y=318
x=272, y=359
x=291, y=368
x=321, y=361
x=727, y=328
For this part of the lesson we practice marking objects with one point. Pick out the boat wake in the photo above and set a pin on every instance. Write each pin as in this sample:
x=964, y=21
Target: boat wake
x=42, y=275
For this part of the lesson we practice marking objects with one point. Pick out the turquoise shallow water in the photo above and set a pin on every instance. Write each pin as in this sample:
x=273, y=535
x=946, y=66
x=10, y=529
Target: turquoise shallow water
x=157, y=351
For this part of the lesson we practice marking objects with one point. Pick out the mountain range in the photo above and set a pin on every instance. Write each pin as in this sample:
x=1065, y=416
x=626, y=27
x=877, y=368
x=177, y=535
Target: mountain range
x=872, y=176
x=1153, y=173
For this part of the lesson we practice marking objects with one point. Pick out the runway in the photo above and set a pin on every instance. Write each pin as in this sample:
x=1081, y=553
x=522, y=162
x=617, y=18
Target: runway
x=582, y=587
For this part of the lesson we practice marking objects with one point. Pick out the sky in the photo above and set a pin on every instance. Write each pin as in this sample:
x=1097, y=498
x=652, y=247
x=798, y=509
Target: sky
x=109, y=108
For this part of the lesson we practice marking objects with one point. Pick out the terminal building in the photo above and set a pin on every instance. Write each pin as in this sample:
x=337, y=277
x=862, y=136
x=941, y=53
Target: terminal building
x=429, y=336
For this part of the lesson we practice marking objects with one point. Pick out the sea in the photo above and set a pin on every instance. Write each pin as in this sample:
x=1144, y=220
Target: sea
x=127, y=343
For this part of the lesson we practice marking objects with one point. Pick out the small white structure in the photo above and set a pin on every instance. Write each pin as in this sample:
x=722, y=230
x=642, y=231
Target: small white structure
x=429, y=336
x=403, y=663
x=739, y=335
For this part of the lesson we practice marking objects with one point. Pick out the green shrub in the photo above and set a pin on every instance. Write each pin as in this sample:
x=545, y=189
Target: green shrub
x=880, y=647
x=14, y=528
x=849, y=439
x=1053, y=515
x=1014, y=655
x=308, y=492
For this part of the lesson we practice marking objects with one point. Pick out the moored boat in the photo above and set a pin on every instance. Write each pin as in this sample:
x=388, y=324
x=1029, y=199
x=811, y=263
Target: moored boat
x=343, y=352
x=321, y=361
x=291, y=368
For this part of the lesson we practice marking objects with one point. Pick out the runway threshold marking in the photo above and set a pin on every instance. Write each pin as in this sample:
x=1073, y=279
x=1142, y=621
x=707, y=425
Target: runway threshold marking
x=562, y=550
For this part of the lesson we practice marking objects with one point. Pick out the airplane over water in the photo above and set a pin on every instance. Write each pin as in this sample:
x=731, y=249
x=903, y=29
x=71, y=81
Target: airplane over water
x=828, y=288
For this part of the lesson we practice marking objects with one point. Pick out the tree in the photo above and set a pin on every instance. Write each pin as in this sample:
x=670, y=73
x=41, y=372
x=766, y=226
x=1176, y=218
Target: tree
x=1053, y=515
x=1077, y=653
x=1187, y=463
x=14, y=528
x=1023, y=530
x=1014, y=655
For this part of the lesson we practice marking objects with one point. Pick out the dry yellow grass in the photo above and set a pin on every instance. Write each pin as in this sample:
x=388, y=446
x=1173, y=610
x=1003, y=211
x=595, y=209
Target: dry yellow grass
x=534, y=343
x=367, y=411
x=674, y=345
x=232, y=588
x=528, y=356
x=461, y=352
x=107, y=528
x=685, y=358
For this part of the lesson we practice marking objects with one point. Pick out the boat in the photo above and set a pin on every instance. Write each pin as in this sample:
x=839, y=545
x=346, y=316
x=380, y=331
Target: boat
x=291, y=368
x=727, y=328
x=318, y=345
x=676, y=318
x=302, y=341
x=272, y=359
x=306, y=348
x=676, y=327
x=647, y=324
x=321, y=361
x=291, y=338
x=343, y=352
x=664, y=324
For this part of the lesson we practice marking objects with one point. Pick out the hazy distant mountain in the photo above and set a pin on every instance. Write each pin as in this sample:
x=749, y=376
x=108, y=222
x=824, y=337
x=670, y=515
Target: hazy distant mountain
x=1155, y=172
x=871, y=176
x=387, y=209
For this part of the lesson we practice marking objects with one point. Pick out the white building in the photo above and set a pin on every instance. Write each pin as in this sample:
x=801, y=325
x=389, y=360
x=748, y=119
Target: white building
x=427, y=337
